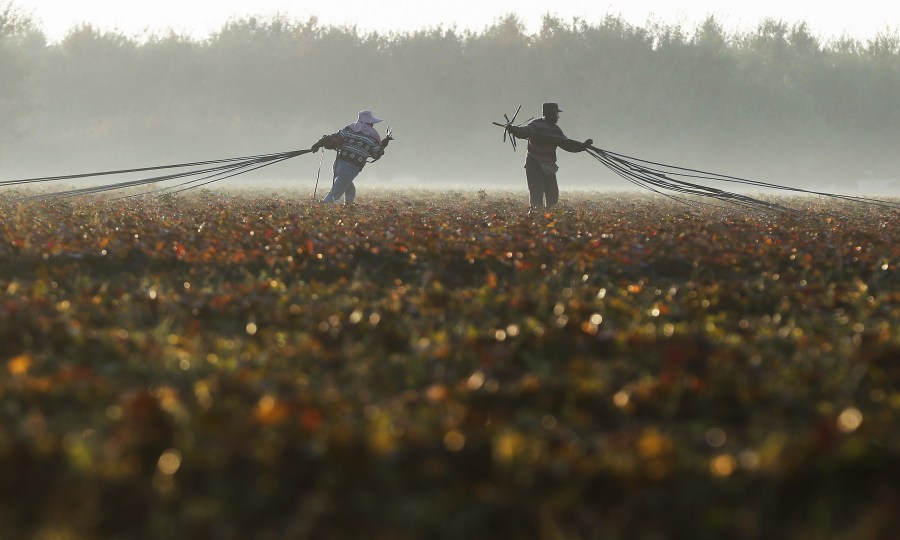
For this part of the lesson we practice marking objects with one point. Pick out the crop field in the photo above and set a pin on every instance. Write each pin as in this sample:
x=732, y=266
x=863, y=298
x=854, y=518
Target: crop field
x=236, y=365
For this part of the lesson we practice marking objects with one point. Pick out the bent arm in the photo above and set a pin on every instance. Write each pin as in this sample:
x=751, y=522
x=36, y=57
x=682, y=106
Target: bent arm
x=379, y=152
x=376, y=153
x=522, y=132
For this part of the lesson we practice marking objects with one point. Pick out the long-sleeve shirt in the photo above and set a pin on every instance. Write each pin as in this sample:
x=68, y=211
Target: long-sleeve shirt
x=355, y=145
x=543, y=138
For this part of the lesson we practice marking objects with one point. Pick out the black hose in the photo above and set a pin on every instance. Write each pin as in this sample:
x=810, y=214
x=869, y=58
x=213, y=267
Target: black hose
x=221, y=169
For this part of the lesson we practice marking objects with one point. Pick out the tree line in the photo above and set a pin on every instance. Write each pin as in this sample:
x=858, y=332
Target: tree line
x=773, y=103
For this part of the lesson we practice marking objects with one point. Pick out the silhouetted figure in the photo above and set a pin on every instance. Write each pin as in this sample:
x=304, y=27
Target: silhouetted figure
x=544, y=135
x=355, y=144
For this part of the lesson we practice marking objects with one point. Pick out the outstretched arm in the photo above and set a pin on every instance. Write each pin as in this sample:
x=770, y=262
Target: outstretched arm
x=331, y=142
x=570, y=145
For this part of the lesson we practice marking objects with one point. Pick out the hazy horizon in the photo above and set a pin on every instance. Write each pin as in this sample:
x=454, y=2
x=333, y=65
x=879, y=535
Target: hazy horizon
x=774, y=104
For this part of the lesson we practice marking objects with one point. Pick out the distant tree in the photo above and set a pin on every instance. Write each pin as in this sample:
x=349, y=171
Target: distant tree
x=97, y=72
x=16, y=32
x=772, y=100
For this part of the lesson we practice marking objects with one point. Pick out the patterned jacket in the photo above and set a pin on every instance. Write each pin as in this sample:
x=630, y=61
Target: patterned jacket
x=353, y=146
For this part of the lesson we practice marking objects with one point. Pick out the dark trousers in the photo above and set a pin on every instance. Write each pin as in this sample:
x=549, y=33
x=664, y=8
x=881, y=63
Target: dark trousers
x=541, y=185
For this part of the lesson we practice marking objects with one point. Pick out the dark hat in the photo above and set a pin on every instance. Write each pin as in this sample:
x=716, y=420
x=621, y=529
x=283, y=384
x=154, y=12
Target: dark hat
x=551, y=108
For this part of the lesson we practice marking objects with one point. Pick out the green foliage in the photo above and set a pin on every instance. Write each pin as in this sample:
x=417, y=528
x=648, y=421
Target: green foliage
x=431, y=365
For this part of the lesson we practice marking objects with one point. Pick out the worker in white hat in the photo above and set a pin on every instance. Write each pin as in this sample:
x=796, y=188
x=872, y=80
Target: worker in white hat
x=355, y=144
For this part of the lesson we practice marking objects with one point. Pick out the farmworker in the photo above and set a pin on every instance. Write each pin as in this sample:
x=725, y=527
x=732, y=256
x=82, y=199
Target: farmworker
x=355, y=144
x=544, y=135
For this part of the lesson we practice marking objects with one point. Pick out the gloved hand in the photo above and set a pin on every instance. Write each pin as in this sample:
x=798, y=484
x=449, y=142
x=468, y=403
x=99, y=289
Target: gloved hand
x=588, y=142
x=325, y=141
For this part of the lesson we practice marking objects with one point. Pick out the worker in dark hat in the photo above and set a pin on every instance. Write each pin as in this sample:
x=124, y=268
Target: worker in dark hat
x=544, y=136
x=355, y=144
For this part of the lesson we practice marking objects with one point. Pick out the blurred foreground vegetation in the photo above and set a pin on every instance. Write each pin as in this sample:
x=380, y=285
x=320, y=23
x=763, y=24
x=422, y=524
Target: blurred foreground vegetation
x=424, y=365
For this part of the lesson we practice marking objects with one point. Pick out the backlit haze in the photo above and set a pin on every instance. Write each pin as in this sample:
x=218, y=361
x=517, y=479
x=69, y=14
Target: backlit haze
x=862, y=19
x=817, y=120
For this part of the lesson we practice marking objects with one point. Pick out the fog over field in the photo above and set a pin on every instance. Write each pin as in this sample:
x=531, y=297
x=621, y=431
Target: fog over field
x=774, y=104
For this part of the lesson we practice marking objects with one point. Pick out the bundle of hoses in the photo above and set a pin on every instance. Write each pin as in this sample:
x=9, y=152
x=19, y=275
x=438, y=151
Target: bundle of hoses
x=198, y=173
x=673, y=182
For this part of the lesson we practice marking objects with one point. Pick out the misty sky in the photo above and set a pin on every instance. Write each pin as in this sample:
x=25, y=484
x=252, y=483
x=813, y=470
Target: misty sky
x=861, y=19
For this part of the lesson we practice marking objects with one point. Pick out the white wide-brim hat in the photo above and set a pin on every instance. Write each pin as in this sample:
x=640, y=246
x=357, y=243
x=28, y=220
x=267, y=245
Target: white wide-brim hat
x=366, y=117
